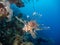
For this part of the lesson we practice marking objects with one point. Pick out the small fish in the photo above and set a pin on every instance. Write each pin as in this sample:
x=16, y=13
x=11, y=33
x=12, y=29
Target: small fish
x=34, y=13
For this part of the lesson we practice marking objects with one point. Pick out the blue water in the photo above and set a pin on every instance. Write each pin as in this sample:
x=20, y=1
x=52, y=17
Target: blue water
x=50, y=17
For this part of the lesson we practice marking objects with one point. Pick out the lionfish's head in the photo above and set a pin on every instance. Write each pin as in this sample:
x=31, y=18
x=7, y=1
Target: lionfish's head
x=32, y=24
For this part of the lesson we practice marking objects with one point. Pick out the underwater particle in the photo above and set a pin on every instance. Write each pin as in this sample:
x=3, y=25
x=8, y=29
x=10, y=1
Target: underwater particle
x=46, y=27
x=34, y=13
x=27, y=16
x=40, y=15
x=42, y=24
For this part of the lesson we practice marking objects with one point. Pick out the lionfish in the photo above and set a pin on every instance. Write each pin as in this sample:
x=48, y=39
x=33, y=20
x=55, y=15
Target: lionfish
x=31, y=27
